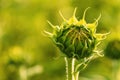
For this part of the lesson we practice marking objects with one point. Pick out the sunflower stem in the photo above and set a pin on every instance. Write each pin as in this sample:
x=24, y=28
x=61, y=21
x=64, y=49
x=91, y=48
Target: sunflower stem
x=70, y=69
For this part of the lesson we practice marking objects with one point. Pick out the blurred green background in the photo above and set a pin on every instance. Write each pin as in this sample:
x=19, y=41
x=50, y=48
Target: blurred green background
x=27, y=54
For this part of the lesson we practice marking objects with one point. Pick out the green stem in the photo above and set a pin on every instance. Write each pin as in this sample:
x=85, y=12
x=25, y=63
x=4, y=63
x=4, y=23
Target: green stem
x=77, y=75
x=73, y=69
x=66, y=63
x=70, y=69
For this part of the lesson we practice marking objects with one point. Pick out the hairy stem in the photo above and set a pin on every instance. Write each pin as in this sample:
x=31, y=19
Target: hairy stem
x=70, y=69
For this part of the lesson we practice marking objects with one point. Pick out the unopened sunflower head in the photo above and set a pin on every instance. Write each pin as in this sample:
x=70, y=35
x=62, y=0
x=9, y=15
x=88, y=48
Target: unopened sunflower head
x=76, y=38
x=113, y=50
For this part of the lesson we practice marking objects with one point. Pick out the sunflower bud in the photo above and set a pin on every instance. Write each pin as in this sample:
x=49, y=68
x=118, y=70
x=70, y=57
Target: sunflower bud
x=113, y=50
x=75, y=38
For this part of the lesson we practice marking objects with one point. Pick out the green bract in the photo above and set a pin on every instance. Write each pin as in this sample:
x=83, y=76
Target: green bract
x=75, y=38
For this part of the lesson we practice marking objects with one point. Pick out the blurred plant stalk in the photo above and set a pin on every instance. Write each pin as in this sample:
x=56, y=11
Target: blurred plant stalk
x=112, y=51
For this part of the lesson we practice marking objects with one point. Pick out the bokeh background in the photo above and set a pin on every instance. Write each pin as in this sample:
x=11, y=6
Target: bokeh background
x=27, y=54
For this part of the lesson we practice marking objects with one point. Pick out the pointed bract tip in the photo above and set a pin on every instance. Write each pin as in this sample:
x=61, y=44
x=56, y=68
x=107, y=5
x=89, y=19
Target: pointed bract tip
x=54, y=27
x=46, y=33
x=96, y=20
x=50, y=24
x=101, y=36
x=62, y=16
x=99, y=17
x=106, y=33
x=74, y=12
x=85, y=13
